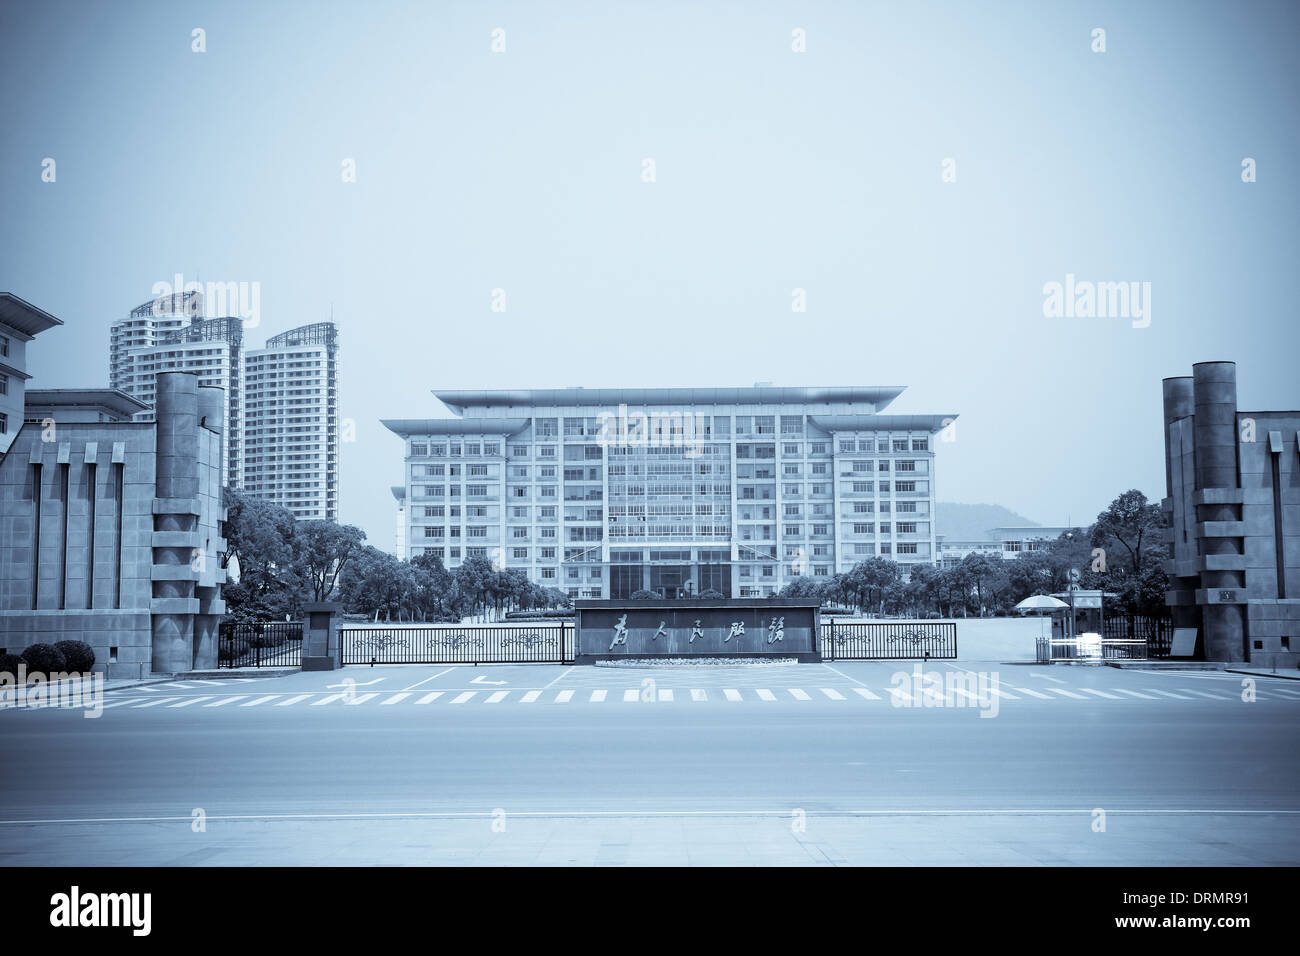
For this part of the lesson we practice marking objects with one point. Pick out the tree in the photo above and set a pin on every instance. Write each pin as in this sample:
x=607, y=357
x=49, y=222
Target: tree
x=260, y=539
x=1133, y=522
x=981, y=570
x=323, y=551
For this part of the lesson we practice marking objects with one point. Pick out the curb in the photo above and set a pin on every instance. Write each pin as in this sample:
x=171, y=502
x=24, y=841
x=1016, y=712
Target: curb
x=1231, y=670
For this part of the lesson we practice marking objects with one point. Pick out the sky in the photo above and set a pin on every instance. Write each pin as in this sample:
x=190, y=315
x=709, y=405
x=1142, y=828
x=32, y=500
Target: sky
x=524, y=170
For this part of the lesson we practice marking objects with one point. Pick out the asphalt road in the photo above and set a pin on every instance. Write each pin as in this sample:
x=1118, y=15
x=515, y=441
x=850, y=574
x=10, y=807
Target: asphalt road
x=544, y=764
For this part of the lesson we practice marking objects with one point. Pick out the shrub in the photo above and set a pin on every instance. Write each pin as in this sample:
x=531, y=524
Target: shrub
x=710, y=594
x=79, y=655
x=9, y=664
x=643, y=595
x=45, y=659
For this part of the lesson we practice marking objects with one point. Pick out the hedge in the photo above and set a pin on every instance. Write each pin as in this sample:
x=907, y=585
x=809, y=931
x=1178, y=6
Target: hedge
x=9, y=664
x=45, y=659
x=79, y=655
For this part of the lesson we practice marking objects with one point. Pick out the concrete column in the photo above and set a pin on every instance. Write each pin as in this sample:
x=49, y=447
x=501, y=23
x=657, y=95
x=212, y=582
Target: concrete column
x=1215, y=431
x=176, y=471
x=1179, y=403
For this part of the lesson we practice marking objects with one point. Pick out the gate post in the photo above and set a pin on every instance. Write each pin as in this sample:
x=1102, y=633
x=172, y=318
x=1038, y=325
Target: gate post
x=320, y=639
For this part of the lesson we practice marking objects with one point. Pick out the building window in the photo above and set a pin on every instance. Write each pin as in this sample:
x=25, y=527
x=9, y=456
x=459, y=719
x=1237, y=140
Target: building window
x=4, y=346
x=477, y=471
x=491, y=448
x=920, y=444
x=863, y=527
x=4, y=424
x=4, y=384
x=907, y=527
x=419, y=449
x=519, y=451
x=906, y=466
x=520, y=554
x=884, y=464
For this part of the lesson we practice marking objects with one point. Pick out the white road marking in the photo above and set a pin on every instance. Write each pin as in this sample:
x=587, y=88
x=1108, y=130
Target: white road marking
x=430, y=677
x=861, y=692
x=832, y=693
x=293, y=700
x=155, y=702
x=463, y=697
x=597, y=696
x=1034, y=693
x=630, y=696
x=430, y=697
x=730, y=694
x=1067, y=693
x=1206, y=693
x=360, y=700
x=531, y=696
x=698, y=694
x=187, y=686
x=395, y=699
x=764, y=694
x=1133, y=693
x=261, y=700
x=213, y=683
x=967, y=695
x=191, y=700
x=129, y=700
x=666, y=695
x=901, y=696
x=324, y=700
x=226, y=700
x=1166, y=693
x=564, y=696
x=798, y=694
x=497, y=696
x=999, y=692
x=1099, y=693
x=1282, y=693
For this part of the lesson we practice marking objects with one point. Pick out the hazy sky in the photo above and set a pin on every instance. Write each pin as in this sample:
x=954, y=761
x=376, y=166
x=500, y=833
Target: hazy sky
x=775, y=170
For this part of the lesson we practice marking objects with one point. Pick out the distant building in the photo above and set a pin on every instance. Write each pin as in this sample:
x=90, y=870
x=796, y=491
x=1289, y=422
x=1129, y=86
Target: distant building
x=605, y=492
x=281, y=412
x=110, y=528
x=1233, y=482
x=20, y=322
x=1006, y=542
x=399, y=493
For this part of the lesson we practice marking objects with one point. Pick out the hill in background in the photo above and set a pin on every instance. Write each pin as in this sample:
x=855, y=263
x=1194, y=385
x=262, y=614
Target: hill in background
x=957, y=522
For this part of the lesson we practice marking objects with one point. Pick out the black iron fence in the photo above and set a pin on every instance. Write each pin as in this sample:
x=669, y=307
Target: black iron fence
x=451, y=644
x=1156, y=632
x=898, y=641
x=259, y=644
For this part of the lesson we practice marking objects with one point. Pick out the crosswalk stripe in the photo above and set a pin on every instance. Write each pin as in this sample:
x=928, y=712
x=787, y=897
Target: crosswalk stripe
x=1168, y=693
x=179, y=684
x=764, y=694
x=564, y=696
x=862, y=692
x=731, y=694
x=430, y=697
x=798, y=694
x=597, y=696
x=192, y=700
x=832, y=693
x=999, y=692
x=967, y=695
x=629, y=696
x=1132, y=693
x=323, y=701
x=293, y=700
x=262, y=700
x=244, y=680
x=531, y=696
x=395, y=699
x=900, y=696
x=666, y=695
x=360, y=700
x=226, y=700
x=497, y=696
x=1099, y=693
x=464, y=696
x=1284, y=693
x=1206, y=693
x=698, y=694
x=1067, y=693
x=1034, y=693
x=155, y=702
x=211, y=683
x=129, y=700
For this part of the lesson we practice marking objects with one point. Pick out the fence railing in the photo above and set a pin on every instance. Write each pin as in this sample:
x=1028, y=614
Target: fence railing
x=259, y=644
x=1157, y=632
x=453, y=644
x=1085, y=648
x=909, y=640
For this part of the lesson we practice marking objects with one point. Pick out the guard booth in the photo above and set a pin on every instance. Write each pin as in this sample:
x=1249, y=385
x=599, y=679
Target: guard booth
x=1085, y=613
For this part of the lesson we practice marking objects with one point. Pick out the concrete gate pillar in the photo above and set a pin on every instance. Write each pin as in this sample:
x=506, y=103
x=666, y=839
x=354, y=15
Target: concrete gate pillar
x=320, y=639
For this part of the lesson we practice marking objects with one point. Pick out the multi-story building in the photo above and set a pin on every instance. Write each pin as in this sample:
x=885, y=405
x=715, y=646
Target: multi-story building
x=281, y=435
x=605, y=492
x=20, y=322
x=1233, y=507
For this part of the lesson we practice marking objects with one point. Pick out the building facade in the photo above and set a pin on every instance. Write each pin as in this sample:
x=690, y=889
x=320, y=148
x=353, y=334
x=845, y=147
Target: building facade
x=291, y=427
x=20, y=322
x=678, y=491
x=288, y=452
x=1233, y=508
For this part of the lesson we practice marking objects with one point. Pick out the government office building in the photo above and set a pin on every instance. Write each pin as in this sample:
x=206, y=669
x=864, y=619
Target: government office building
x=605, y=492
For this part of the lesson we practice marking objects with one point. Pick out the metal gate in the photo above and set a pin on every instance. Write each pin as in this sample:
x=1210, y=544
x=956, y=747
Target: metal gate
x=259, y=644
x=452, y=644
x=898, y=641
